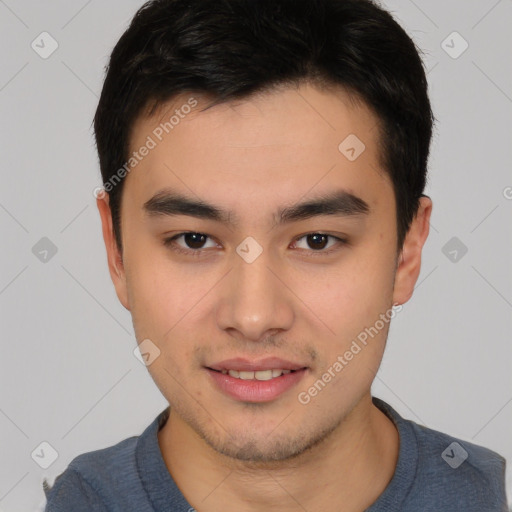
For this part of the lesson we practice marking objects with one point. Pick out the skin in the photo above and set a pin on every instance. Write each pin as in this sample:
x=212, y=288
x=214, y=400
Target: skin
x=338, y=452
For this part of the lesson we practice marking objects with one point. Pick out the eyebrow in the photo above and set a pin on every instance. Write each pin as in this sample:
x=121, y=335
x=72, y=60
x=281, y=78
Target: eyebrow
x=339, y=203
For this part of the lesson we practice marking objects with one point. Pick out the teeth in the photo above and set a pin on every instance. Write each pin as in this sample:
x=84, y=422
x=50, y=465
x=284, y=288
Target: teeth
x=258, y=375
x=263, y=375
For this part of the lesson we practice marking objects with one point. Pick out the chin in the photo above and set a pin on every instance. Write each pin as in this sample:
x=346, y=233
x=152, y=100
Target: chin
x=283, y=443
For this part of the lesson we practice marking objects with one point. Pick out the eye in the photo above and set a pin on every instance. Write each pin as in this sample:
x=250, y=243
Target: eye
x=318, y=242
x=194, y=243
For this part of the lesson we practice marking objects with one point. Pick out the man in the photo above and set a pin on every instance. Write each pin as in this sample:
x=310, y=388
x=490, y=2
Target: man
x=264, y=163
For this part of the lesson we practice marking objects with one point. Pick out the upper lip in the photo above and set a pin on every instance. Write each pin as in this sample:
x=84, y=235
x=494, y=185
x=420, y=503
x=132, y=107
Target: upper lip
x=269, y=363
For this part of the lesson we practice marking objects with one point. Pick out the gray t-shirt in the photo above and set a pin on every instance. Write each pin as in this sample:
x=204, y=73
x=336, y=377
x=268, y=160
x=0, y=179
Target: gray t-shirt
x=434, y=473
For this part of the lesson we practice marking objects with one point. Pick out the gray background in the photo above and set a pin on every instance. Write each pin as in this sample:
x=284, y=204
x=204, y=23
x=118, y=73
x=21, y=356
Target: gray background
x=68, y=373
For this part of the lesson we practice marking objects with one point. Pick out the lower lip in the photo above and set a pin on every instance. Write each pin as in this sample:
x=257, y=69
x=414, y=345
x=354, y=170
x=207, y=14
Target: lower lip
x=256, y=390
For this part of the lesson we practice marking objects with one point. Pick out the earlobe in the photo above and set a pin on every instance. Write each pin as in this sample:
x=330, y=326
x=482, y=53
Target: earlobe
x=114, y=257
x=409, y=261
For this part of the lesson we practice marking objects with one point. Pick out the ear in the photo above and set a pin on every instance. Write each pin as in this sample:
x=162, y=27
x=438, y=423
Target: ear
x=409, y=260
x=114, y=257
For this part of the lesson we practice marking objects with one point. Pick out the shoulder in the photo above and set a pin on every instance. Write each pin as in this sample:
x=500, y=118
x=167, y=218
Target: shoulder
x=71, y=492
x=439, y=472
x=93, y=479
x=471, y=476
x=107, y=461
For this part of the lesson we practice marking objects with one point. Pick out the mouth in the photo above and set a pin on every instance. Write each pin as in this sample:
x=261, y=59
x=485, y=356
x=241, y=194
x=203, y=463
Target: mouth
x=255, y=381
x=256, y=375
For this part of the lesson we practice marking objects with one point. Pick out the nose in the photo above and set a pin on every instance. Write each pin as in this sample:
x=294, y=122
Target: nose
x=254, y=301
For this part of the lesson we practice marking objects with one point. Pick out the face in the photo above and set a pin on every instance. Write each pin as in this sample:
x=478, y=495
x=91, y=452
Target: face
x=290, y=255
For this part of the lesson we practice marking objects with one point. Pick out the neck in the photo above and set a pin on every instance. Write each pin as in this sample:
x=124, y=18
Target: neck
x=347, y=471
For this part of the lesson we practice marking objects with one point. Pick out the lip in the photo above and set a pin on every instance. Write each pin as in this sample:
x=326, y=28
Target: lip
x=268, y=363
x=255, y=390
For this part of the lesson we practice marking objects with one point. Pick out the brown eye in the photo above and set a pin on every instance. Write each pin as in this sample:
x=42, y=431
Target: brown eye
x=193, y=243
x=318, y=242
x=194, y=240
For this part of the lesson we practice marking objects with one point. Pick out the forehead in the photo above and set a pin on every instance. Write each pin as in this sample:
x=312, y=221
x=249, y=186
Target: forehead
x=274, y=147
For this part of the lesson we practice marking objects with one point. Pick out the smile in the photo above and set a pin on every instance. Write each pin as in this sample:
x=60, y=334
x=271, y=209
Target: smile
x=256, y=375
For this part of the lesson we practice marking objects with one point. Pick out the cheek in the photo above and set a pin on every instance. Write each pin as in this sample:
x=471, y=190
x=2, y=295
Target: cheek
x=166, y=298
x=154, y=288
x=163, y=299
x=350, y=302
x=349, y=296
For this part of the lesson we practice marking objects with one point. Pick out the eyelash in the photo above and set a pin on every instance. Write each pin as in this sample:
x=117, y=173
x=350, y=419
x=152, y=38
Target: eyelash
x=169, y=242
